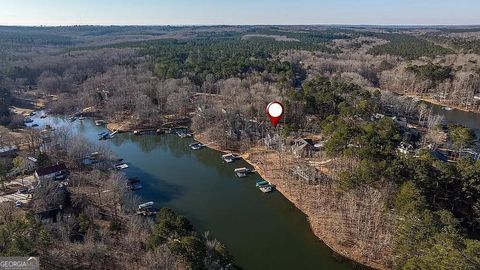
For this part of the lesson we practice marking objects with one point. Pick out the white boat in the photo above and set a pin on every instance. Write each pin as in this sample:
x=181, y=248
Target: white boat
x=184, y=135
x=196, y=146
x=229, y=158
x=137, y=132
x=81, y=118
x=121, y=166
x=266, y=189
x=73, y=118
x=447, y=108
x=100, y=122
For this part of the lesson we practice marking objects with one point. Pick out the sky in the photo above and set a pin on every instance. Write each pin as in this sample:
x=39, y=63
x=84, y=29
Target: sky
x=229, y=12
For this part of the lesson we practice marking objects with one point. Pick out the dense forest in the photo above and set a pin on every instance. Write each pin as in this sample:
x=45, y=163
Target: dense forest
x=377, y=191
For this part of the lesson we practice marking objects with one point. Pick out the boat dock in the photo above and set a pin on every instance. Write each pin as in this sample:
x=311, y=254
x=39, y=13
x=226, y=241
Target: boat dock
x=146, y=209
x=229, y=158
x=242, y=172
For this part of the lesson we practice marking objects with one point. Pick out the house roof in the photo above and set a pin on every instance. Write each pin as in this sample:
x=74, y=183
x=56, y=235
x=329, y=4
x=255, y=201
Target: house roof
x=51, y=169
x=439, y=155
x=7, y=149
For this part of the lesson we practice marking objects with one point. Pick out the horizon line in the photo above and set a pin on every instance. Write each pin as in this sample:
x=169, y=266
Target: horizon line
x=200, y=25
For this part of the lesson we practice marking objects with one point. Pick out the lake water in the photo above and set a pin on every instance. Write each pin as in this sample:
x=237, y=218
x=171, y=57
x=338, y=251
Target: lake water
x=458, y=117
x=262, y=231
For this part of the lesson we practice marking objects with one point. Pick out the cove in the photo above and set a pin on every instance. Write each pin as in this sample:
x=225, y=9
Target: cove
x=262, y=231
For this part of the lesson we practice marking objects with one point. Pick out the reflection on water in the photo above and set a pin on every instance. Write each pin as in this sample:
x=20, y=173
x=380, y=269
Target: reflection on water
x=262, y=231
x=458, y=117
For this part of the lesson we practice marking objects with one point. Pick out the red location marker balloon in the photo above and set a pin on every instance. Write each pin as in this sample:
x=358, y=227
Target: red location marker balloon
x=275, y=112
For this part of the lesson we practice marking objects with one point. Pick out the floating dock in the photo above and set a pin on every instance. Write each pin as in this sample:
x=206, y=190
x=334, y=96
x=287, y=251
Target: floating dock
x=229, y=158
x=242, y=172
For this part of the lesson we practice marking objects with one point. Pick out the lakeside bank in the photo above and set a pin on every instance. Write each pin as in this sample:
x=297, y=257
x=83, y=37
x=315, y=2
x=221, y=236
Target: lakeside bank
x=440, y=103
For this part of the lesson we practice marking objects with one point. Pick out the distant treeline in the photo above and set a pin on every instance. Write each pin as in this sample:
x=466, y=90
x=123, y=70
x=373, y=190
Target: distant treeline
x=222, y=58
x=408, y=47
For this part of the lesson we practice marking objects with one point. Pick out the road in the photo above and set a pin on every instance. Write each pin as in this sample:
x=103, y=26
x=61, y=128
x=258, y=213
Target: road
x=28, y=182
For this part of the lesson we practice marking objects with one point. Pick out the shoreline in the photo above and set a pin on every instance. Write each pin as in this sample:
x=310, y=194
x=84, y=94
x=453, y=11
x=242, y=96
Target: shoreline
x=336, y=249
x=439, y=103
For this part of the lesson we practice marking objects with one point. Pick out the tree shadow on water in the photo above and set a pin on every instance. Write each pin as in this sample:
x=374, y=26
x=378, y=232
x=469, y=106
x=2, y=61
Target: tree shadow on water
x=154, y=188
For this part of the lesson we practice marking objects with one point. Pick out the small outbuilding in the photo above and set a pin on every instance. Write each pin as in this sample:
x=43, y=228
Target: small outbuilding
x=31, y=163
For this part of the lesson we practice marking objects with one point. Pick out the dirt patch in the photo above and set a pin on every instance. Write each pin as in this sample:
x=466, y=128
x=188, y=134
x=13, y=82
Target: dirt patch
x=26, y=103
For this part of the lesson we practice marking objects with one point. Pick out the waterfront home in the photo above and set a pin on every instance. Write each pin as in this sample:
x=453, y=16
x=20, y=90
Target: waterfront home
x=303, y=147
x=58, y=172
